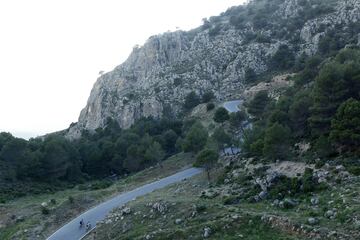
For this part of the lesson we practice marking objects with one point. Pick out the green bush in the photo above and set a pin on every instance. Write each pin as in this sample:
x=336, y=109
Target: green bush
x=284, y=186
x=210, y=106
x=101, y=185
x=71, y=199
x=221, y=115
x=191, y=101
x=45, y=210
x=200, y=208
x=355, y=170
x=208, y=96
x=231, y=200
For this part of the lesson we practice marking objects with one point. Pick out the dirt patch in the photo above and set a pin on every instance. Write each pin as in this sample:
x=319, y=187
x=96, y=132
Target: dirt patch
x=289, y=169
x=274, y=87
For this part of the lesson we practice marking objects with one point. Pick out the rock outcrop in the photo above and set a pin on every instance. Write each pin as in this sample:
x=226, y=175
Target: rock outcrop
x=156, y=77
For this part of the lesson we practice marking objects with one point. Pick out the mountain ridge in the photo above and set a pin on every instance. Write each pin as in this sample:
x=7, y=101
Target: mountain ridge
x=156, y=77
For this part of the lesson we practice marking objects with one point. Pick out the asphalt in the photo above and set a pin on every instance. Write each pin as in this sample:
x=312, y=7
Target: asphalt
x=72, y=231
x=233, y=106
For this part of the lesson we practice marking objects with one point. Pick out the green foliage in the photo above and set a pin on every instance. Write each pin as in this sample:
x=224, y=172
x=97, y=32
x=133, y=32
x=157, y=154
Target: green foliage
x=276, y=142
x=323, y=147
x=345, y=127
x=195, y=138
x=330, y=90
x=299, y=113
x=283, y=59
x=279, y=116
x=253, y=143
x=210, y=106
x=100, y=184
x=258, y=105
x=250, y=75
x=45, y=210
x=207, y=96
x=55, y=162
x=71, y=199
x=221, y=137
x=221, y=115
x=237, y=118
x=355, y=170
x=200, y=208
x=154, y=153
x=285, y=186
x=337, y=81
x=310, y=70
x=169, y=139
x=191, y=101
x=207, y=159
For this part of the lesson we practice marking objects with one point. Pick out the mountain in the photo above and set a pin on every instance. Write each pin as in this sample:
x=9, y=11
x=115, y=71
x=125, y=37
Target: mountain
x=255, y=39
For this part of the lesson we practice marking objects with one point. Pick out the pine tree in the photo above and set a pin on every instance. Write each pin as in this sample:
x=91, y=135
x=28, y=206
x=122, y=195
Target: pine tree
x=276, y=142
x=345, y=127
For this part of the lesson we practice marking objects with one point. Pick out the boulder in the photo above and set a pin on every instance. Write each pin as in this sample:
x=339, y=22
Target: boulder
x=207, y=232
x=178, y=221
x=313, y=221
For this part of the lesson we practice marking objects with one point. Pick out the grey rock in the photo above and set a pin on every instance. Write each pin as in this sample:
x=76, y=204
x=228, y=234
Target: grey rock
x=207, y=232
x=330, y=214
x=288, y=203
x=209, y=193
x=313, y=221
x=178, y=221
x=314, y=201
x=125, y=211
x=263, y=195
x=340, y=168
x=276, y=202
x=159, y=207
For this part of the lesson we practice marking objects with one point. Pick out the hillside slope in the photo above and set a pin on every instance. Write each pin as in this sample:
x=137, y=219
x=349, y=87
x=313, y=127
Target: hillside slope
x=261, y=37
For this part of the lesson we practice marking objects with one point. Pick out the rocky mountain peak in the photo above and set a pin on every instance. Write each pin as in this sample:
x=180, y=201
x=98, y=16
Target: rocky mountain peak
x=157, y=76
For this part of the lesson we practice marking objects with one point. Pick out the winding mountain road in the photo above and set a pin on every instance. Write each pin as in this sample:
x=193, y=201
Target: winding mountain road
x=72, y=231
x=233, y=106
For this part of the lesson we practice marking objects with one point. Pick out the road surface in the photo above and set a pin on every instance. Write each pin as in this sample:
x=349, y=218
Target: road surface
x=71, y=230
x=233, y=106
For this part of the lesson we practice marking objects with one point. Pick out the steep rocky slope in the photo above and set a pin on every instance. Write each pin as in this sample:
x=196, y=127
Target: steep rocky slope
x=156, y=77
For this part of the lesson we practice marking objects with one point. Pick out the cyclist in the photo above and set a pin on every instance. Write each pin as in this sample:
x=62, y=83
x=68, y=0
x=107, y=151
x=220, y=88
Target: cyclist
x=81, y=223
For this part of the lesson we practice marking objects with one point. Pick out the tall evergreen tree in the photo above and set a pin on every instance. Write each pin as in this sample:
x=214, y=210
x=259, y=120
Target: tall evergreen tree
x=345, y=127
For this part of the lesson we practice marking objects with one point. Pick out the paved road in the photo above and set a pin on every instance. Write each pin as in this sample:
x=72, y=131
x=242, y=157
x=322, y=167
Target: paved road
x=232, y=106
x=71, y=231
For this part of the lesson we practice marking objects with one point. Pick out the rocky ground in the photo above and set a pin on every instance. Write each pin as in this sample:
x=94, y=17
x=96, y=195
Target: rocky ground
x=246, y=200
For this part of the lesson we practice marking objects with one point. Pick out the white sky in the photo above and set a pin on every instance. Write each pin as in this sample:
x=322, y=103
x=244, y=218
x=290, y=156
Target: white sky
x=51, y=51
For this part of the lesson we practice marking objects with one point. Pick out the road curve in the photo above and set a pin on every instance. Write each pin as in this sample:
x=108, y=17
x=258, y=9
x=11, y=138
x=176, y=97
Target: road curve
x=71, y=230
x=233, y=106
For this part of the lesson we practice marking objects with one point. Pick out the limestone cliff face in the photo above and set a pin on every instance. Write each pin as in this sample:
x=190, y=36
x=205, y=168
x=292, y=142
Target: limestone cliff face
x=156, y=77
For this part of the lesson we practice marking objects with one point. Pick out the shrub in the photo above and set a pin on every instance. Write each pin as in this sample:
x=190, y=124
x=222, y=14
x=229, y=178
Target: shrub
x=200, y=208
x=355, y=170
x=101, y=185
x=45, y=210
x=191, y=101
x=71, y=199
x=195, y=139
x=231, y=200
x=258, y=104
x=221, y=115
x=210, y=106
x=53, y=201
x=208, y=96
x=345, y=130
x=207, y=159
x=276, y=142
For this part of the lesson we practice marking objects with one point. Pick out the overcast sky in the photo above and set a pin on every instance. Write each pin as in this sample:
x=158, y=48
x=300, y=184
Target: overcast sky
x=51, y=51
